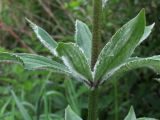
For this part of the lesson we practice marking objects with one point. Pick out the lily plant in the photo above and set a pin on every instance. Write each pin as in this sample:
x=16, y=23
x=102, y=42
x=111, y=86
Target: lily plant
x=84, y=61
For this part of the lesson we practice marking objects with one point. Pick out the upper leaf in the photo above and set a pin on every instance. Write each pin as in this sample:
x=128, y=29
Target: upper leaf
x=70, y=115
x=75, y=60
x=33, y=62
x=144, y=118
x=147, y=31
x=121, y=46
x=83, y=38
x=133, y=63
x=44, y=37
x=131, y=115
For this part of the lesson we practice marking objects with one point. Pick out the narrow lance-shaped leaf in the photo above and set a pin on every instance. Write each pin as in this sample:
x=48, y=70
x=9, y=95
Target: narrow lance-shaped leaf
x=75, y=60
x=147, y=31
x=83, y=38
x=44, y=37
x=145, y=118
x=131, y=115
x=21, y=108
x=121, y=46
x=70, y=115
x=134, y=63
x=33, y=62
x=9, y=58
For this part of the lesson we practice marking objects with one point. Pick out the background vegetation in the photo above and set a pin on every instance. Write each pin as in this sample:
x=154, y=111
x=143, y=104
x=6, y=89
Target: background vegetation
x=45, y=92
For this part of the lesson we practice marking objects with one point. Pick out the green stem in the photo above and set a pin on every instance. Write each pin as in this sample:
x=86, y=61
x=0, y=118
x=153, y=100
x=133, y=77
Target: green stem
x=93, y=95
x=116, y=99
x=97, y=13
x=93, y=107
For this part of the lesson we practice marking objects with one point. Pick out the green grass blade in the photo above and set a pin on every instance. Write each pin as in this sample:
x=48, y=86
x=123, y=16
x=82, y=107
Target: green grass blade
x=21, y=108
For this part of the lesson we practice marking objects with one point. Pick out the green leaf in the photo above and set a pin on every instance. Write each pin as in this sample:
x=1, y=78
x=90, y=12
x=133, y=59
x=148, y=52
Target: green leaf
x=44, y=37
x=104, y=3
x=9, y=58
x=145, y=118
x=131, y=115
x=121, y=46
x=75, y=60
x=33, y=62
x=147, y=31
x=134, y=63
x=70, y=115
x=21, y=108
x=83, y=38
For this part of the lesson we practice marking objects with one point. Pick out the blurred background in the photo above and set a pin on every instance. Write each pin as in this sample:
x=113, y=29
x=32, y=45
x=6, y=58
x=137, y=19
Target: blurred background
x=45, y=92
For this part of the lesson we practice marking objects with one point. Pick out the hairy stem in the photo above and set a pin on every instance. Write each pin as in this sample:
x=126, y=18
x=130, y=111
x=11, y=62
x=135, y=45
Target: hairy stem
x=97, y=11
x=93, y=95
x=93, y=107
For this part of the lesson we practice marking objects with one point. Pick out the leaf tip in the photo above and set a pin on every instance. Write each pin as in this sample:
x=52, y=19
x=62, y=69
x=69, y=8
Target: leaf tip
x=32, y=25
x=153, y=24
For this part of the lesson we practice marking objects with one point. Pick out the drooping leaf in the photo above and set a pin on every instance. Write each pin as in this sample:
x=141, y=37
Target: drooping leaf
x=33, y=62
x=134, y=63
x=83, y=38
x=70, y=115
x=44, y=37
x=75, y=60
x=121, y=46
x=131, y=115
x=9, y=58
x=21, y=108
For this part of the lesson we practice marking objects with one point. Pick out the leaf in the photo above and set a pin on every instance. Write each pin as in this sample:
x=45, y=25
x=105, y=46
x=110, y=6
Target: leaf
x=9, y=58
x=147, y=31
x=44, y=37
x=121, y=46
x=33, y=62
x=104, y=3
x=21, y=108
x=144, y=118
x=83, y=38
x=75, y=60
x=70, y=115
x=131, y=115
x=134, y=63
